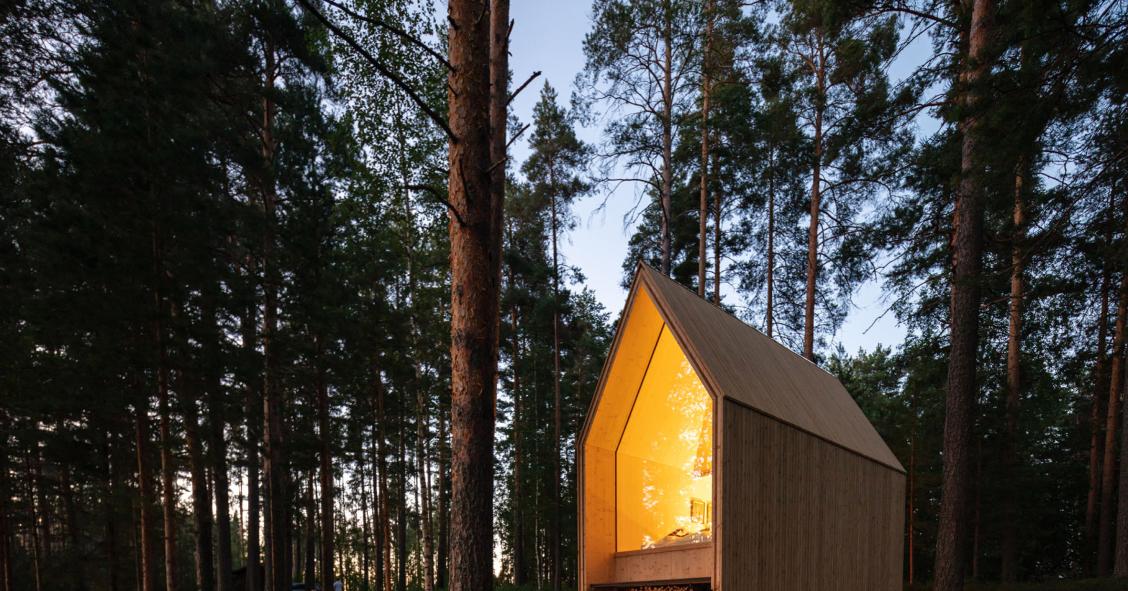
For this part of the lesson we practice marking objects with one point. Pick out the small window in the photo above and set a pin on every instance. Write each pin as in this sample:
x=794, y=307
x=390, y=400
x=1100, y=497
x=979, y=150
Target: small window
x=664, y=462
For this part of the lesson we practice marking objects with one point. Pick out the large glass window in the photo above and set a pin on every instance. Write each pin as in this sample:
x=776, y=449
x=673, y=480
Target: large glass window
x=664, y=462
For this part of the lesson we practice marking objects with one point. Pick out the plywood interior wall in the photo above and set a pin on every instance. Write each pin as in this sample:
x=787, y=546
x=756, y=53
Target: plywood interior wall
x=611, y=407
x=802, y=514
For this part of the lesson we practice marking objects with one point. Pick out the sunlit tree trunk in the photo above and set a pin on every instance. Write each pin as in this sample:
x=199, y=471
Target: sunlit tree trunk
x=477, y=95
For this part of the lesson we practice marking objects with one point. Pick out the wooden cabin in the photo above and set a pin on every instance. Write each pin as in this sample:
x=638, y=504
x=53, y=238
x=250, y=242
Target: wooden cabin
x=715, y=458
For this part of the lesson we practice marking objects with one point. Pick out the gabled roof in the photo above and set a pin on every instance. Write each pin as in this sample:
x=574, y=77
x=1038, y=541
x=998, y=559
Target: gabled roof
x=738, y=362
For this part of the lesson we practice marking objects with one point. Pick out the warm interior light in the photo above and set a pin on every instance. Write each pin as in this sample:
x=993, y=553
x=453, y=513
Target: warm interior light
x=664, y=462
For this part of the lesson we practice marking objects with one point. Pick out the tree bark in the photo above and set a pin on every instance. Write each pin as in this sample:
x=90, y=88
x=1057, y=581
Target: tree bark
x=251, y=440
x=168, y=468
x=201, y=499
x=325, y=435
x=477, y=95
x=1117, y=390
x=384, y=558
x=1009, y=543
x=666, y=197
x=556, y=509
x=769, y=312
x=703, y=206
x=1100, y=387
x=275, y=469
x=442, y=577
x=520, y=565
x=146, y=519
x=816, y=205
x=1108, y=518
x=966, y=262
x=218, y=447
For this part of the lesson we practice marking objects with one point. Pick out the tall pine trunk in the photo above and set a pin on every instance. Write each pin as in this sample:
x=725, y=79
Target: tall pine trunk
x=703, y=205
x=666, y=192
x=443, y=561
x=477, y=95
x=1100, y=388
x=217, y=446
x=146, y=519
x=520, y=562
x=556, y=435
x=1009, y=543
x=816, y=206
x=966, y=262
x=769, y=312
x=277, y=499
x=1117, y=389
x=1108, y=517
x=201, y=498
x=325, y=435
x=253, y=405
x=384, y=529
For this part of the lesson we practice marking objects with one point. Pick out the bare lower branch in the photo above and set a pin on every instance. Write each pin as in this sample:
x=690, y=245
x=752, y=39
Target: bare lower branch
x=384, y=71
x=522, y=87
x=438, y=194
x=390, y=27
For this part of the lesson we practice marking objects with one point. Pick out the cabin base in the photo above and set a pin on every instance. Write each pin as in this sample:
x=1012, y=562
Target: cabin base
x=683, y=585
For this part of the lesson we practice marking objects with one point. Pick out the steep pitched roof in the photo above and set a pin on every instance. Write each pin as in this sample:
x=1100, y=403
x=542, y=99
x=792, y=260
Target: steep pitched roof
x=739, y=362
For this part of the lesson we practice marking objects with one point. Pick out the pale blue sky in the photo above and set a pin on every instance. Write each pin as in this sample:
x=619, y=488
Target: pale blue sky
x=548, y=36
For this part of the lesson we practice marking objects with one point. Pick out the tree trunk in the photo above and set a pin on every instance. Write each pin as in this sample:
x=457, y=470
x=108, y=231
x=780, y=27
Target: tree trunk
x=444, y=504
x=1117, y=390
x=217, y=448
x=703, y=206
x=718, y=207
x=36, y=509
x=1100, y=388
x=1108, y=518
x=477, y=95
x=277, y=499
x=556, y=509
x=201, y=499
x=384, y=528
x=910, y=517
x=966, y=253
x=401, y=508
x=309, y=564
x=816, y=206
x=7, y=582
x=365, y=549
x=251, y=449
x=1009, y=544
x=520, y=566
x=769, y=313
x=168, y=469
x=144, y=498
x=666, y=197
x=325, y=435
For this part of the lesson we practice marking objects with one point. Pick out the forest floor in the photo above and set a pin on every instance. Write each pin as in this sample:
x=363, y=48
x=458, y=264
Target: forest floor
x=1079, y=585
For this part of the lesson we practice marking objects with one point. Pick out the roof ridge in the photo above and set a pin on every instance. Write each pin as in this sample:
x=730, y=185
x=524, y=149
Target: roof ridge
x=718, y=307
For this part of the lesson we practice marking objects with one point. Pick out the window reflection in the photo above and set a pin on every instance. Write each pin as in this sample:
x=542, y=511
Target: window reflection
x=664, y=462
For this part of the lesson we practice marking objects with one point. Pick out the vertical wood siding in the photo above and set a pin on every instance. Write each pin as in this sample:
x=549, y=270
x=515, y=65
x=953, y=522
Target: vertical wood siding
x=802, y=514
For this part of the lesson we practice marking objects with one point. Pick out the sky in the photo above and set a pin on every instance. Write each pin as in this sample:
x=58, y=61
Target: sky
x=548, y=36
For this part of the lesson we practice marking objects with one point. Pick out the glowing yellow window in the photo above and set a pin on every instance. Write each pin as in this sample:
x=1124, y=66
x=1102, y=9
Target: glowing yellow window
x=664, y=462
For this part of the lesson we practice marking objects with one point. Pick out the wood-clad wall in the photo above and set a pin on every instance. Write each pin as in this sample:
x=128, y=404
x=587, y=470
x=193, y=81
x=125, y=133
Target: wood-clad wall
x=802, y=514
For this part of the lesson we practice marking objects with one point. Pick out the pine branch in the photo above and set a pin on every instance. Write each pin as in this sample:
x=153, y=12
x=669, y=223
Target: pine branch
x=383, y=70
x=390, y=27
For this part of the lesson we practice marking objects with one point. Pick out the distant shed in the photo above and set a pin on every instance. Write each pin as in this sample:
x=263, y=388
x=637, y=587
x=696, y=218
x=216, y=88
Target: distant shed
x=715, y=458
